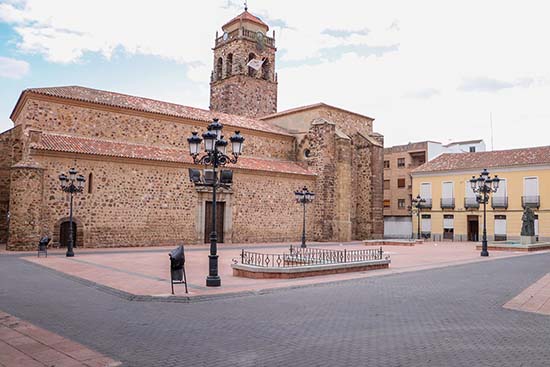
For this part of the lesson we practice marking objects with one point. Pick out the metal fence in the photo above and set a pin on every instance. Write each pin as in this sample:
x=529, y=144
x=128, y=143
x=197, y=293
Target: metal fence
x=309, y=256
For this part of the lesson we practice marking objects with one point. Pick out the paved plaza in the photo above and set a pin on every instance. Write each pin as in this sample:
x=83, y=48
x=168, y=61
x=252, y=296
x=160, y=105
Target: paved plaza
x=451, y=315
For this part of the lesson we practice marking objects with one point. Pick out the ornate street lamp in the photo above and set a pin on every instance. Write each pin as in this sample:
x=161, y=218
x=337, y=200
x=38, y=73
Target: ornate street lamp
x=215, y=147
x=72, y=184
x=304, y=197
x=417, y=205
x=483, y=186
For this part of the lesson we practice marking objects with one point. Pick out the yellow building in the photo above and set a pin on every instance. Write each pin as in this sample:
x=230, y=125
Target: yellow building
x=451, y=211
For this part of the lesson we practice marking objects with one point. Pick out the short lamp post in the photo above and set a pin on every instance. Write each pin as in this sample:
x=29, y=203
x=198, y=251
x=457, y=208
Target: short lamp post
x=417, y=206
x=72, y=184
x=215, y=147
x=304, y=196
x=483, y=186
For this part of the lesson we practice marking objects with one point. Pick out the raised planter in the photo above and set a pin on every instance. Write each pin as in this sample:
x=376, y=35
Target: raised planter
x=392, y=242
x=300, y=271
x=509, y=246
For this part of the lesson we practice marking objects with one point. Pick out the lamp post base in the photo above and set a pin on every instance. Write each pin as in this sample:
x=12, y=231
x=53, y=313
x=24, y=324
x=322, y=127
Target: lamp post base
x=213, y=281
x=69, y=254
x=484, y=252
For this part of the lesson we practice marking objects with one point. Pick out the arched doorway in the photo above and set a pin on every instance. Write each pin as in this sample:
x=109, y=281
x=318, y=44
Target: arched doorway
x=64, y=234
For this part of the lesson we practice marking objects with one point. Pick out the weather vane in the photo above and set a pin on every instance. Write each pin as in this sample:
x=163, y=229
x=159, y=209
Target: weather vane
x=246, y=5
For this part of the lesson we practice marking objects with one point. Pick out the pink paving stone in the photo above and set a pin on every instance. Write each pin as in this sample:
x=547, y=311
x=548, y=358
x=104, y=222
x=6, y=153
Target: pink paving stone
x=23, y=344
x=535, y=298
x=141, y=275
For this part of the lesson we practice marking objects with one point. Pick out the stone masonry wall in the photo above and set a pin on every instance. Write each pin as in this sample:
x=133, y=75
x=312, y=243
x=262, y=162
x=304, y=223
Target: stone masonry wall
x=265, y=209
x=132, y=203
x=237, y=92
x=102, y=124
x=6, y=161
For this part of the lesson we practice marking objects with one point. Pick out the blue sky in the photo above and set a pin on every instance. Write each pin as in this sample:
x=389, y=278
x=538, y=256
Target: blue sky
x=425, y=71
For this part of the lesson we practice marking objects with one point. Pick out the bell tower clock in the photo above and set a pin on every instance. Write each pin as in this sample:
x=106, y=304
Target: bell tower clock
x=243, y=80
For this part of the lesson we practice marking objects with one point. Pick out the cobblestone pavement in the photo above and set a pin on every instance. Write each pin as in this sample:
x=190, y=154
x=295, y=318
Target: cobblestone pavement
x=442, y=317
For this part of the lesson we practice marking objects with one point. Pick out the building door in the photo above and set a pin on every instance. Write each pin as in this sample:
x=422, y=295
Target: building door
x=220, y=211
x=473, y=228
x=64, y=234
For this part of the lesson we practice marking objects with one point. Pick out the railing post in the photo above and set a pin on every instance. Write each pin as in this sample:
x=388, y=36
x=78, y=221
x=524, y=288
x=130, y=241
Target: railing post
x=381, y=253
x=242, y=256
x=345, y=256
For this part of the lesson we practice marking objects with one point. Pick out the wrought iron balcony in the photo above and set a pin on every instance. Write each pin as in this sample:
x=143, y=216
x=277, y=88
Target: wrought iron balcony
x=471, y=203
x=530, y=201
x=427, y=204
x=499, y=202
x=447, y=203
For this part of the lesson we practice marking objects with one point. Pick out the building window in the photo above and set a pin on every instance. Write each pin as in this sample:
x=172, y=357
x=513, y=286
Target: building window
x=448, y=227
x=386, y=164
x=447, y=196
x=400, y=183
x=387, y=204
x=386, y=184
x=401, y=203
x=472, y=149
x=500, y=228
x=219, y=68
x=229, y=65
x=426, y=224
x=531, y=194
x=400, y=162
x=426, y=194
x=266, y=70
x=251, y=70
x=90, y=183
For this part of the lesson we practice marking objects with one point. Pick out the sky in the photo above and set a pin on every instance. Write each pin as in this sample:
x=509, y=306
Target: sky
x=425, y=70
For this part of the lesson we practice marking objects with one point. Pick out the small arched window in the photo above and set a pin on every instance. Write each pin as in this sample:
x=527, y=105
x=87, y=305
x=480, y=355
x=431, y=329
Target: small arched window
x=229, y=65
x=219, y=68
x=90, y=183
x=251, y=71
x=265, y=70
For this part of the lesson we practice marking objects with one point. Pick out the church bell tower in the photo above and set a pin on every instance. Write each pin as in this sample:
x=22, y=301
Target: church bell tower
x=243, y=80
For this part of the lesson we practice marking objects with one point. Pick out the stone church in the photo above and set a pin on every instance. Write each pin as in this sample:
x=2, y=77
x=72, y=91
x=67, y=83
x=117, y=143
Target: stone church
x=134, y=155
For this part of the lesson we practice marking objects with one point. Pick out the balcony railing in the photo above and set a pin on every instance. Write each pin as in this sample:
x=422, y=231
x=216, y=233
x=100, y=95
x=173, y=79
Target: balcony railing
x=447, y=203
x=427, y=204
x=499, y=202
x=530, y=201
x=246, y=34
x=471, y=203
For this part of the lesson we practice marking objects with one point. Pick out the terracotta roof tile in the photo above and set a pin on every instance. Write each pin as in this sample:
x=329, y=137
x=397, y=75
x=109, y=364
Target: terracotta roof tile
x=72, y=144
x=125, y=101
x=246, y=16
x=480, y=160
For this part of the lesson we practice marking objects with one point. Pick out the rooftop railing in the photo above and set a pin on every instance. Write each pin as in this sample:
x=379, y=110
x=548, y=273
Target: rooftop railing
x=245, y=34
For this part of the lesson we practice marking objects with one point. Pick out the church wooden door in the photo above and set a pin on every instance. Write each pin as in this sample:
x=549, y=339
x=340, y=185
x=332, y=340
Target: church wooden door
x=220, y=210
x=64, y=234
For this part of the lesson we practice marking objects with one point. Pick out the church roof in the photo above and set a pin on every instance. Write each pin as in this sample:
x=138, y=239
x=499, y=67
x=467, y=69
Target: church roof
x=73, y=144
x=311, y=107
x=481, y=160
x=246, y=16
x=106, y=98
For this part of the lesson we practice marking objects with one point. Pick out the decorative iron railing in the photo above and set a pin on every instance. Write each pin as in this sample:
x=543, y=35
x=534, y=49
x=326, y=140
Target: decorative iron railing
x=427, y=204
x=447, y=203
x=471, y=203
x=309, y=256
x=499, y=202
x=530, y=201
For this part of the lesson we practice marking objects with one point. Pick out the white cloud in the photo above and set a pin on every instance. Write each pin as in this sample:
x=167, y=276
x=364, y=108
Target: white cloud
x=412, y=51
x=12, y=68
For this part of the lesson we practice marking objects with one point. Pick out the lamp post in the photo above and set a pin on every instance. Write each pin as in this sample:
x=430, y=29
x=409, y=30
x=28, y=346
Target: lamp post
x=304, y=197
x=483, y=186
x=72, y=184
x=417, y=205
x=215, y=147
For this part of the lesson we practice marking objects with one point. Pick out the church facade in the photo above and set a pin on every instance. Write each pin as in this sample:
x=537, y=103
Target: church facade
x=134, y=155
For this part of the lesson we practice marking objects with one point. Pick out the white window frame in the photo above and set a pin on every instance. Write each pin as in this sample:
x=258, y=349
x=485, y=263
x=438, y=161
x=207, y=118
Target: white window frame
x=525, y=186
